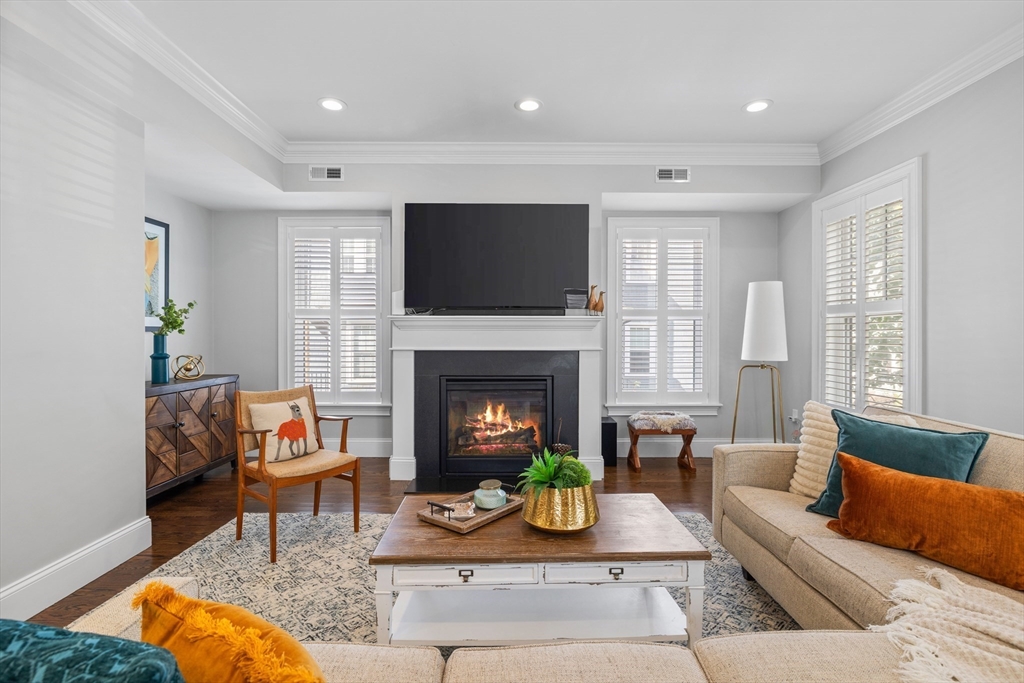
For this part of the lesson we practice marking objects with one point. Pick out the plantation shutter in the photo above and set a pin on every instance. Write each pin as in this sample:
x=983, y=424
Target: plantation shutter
x=863, y=344
x=357, y=307
x=661, y=315
x=335, y=284
x=311, y=266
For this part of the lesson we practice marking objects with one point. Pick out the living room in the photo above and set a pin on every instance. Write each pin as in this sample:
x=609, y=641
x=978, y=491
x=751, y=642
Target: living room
x=696, y=195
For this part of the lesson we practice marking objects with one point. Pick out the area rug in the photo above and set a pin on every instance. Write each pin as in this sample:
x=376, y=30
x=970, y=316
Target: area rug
x=321, y=588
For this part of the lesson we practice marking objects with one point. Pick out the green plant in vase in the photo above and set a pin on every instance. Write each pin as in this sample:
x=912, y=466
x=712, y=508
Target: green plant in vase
x=558, y=492
x=172, y=319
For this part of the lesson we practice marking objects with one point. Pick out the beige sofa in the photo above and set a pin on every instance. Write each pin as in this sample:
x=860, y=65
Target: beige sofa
x=823, y=580
x=781, y=657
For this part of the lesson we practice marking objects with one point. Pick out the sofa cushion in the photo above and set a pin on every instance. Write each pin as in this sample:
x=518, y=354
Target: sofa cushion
x=775, y=519
x=579, y=662
x=44, y=654
x=782, y=657
x=975, y=528
x=858, y=577
x=908, y=449
x=359, y=663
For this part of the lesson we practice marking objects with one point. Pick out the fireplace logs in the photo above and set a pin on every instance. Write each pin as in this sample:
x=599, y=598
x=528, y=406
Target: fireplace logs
x=494, y=431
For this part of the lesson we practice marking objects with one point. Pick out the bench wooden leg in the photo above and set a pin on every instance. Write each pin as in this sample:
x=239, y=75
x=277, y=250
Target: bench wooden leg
x=634, y=454
x=685, y=458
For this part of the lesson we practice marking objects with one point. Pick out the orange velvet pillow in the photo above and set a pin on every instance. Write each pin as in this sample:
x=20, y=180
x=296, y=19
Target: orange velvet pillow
x=223, y=643
x=974, y=528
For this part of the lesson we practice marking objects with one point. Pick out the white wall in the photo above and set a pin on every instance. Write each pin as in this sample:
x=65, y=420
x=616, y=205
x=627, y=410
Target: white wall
x=72, y=472
x=245, y=283
x=191, y=252
x=972, y=146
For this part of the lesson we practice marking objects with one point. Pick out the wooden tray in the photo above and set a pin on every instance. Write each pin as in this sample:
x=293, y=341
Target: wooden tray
x=515, y=502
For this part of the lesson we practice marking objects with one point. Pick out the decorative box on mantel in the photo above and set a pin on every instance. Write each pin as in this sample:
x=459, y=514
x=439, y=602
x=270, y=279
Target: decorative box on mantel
x=411, y=334
x=190, y=429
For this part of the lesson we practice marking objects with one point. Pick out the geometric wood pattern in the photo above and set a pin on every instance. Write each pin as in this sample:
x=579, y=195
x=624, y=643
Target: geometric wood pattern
x=190, y=428
x=193, y=429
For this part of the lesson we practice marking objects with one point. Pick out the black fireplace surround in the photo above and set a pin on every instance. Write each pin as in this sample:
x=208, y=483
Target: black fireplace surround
x=550, y=379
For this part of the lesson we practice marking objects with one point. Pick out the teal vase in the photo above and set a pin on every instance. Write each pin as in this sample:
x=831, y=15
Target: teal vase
x=161, y=360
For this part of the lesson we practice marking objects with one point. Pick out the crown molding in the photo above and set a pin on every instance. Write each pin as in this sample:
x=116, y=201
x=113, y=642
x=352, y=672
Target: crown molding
x=997, y=53
x=562, y=153
x=126, y=23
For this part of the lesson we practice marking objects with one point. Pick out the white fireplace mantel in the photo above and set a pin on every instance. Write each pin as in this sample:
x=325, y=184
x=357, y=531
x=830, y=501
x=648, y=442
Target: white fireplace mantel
x=409, y=334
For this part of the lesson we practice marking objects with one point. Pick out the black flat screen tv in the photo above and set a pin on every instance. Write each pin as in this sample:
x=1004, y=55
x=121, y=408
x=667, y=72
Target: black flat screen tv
x=494, y=256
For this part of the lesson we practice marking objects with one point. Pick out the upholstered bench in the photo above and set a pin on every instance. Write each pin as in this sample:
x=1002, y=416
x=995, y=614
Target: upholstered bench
x=648, y=422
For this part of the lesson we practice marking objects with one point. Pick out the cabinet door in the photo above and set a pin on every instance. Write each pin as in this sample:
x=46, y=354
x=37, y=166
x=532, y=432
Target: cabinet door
x=193, y=429
x=222, y=420
x=161, y=439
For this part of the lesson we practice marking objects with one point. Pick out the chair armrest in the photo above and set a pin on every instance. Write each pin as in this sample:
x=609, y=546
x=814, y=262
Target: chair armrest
x=254, y=432
x=332, y=418
x=116, y=617
x=764, y=465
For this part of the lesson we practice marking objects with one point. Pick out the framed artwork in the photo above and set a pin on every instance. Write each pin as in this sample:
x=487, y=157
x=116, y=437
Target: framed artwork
x=157, y=272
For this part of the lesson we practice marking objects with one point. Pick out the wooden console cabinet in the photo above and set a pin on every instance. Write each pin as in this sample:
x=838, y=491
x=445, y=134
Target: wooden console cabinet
x=190, y=429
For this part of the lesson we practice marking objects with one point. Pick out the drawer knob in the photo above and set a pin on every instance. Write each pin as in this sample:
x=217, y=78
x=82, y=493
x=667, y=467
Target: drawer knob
x=616, y=572
x=465, y=574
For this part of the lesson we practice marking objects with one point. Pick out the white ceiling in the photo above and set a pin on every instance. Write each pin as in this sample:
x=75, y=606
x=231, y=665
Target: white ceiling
x=606, y=71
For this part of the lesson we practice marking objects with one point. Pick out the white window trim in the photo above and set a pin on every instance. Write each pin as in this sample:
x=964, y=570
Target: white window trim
x=285, y=231
x=909, y=174
x=711, y=404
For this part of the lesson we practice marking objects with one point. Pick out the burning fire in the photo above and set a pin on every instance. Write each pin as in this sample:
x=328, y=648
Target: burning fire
x=493, y=422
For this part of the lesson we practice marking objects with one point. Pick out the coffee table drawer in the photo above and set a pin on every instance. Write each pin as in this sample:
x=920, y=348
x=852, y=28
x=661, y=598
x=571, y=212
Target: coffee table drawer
x=623, y=572
x=487, y=575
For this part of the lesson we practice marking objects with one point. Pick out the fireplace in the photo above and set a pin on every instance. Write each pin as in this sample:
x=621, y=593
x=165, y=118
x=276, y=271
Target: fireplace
x=493, y=424
x=459, y=442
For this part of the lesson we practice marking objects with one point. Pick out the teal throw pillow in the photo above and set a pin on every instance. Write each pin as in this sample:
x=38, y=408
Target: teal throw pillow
x=31, y=653
x=908, y=449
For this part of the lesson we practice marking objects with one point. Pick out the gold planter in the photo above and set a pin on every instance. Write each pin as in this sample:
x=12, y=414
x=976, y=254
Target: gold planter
x=561, y=512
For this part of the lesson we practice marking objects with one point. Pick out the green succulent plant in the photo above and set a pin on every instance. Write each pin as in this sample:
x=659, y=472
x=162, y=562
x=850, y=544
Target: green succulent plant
x=553, y=470
x=173, y=319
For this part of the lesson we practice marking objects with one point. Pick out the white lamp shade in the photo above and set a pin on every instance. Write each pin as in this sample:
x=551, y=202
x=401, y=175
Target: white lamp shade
x=764, y=330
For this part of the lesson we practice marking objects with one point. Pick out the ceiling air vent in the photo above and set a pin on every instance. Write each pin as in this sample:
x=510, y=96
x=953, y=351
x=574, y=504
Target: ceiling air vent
x=326, y=172
x=672, y=175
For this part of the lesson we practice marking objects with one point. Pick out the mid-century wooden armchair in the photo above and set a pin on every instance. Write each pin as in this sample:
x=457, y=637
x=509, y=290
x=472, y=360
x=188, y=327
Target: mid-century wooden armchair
x=312, y=468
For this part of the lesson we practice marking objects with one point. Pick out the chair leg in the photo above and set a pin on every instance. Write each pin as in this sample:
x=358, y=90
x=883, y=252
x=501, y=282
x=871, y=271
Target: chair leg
x=272, y=497
x=240, y=510
x=633, y=460
x=316, y=497
x=355, y=497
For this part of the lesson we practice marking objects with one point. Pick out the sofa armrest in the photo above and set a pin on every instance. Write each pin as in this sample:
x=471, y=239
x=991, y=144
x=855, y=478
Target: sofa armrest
x=116, y=617
x=764, y=465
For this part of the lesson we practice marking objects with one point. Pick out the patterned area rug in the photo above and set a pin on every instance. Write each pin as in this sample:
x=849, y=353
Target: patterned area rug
x=321, y=588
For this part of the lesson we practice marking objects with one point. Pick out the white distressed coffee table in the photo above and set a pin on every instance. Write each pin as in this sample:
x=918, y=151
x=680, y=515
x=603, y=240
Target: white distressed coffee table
x=509, y=584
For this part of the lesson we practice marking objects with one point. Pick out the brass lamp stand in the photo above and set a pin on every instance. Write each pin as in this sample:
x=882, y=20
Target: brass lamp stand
x=776, y=379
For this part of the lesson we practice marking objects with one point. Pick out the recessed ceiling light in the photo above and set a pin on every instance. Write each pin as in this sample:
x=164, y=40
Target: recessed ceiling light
x=528, y=105
x=331, y=103
x=756, y=106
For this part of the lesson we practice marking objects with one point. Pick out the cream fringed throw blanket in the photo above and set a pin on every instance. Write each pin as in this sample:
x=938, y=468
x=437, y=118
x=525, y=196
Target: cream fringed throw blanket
x=950, y=631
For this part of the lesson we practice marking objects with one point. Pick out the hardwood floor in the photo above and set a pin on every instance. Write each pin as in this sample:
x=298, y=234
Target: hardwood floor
x=183, y=516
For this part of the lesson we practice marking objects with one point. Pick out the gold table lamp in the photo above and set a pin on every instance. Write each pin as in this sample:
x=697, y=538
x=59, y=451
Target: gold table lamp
x=764, y=341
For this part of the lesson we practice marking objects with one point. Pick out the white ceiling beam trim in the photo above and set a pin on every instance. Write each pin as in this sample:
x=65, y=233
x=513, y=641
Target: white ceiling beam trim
x=552, y=153
x=997, y=53
x=126, y=23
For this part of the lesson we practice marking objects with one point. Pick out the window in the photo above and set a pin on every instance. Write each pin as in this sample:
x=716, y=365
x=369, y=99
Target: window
x=865, y=245
x=333, y=294
x=662, y=312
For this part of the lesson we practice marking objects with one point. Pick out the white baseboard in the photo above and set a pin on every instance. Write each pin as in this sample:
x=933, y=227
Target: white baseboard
x=669, y=446
x=402, y=470
x=32, y=594
x=596, y=467
x=364, y=448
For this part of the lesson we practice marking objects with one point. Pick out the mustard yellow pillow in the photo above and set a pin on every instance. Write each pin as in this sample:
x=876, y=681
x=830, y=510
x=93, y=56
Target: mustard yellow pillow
x=221, y=643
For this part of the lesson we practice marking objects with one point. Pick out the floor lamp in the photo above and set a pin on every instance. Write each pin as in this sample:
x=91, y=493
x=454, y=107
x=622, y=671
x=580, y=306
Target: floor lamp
x=764, y=341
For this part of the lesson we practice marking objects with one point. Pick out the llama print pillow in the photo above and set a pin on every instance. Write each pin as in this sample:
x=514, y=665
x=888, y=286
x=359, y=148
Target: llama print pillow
x=292, y=429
